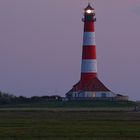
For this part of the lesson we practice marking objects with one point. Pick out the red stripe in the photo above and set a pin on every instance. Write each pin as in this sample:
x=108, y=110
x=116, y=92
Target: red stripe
x=89, y=26
x=89, y=52
x=87, y=77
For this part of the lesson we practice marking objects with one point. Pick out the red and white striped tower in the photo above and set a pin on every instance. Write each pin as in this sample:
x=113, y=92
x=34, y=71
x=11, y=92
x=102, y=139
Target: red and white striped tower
x=89, y=62
x=89, y=85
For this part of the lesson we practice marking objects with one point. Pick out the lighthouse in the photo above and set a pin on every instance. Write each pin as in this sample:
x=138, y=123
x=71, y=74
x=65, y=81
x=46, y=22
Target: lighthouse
x=89, y=86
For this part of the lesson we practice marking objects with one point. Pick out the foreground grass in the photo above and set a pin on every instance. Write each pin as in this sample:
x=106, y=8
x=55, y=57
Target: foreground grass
x=69, y=125
x=71, y=104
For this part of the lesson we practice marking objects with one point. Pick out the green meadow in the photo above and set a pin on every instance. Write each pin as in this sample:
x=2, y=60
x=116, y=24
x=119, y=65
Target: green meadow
x=68, y=124
x=72, y=104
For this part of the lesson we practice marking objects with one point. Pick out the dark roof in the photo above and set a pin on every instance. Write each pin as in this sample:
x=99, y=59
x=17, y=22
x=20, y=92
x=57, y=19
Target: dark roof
x=94, y=85
x=89, y=7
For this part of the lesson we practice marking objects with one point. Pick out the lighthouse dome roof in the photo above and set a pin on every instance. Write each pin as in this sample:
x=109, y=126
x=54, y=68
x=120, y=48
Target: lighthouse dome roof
x=89, y=7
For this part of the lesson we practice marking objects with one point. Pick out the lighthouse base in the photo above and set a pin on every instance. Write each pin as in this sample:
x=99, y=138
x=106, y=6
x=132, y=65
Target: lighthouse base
x=93, y=90
x=92, y=94
x=84, y=95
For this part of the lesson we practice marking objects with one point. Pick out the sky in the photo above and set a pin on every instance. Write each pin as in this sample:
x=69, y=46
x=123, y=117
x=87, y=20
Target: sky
x=41, y=45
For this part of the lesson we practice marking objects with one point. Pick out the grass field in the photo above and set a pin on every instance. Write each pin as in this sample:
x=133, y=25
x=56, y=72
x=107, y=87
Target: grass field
x=72, y=104
x=66, y=124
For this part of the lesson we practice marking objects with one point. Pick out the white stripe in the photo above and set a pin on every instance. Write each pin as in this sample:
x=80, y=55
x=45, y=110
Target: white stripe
x=89, y=38
x=89, y=65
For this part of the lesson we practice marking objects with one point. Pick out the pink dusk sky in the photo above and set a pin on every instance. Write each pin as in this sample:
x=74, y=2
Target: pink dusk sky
x=41, y=45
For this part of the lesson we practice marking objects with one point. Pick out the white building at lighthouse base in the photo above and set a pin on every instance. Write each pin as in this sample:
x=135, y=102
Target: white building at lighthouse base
x=95, y=90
